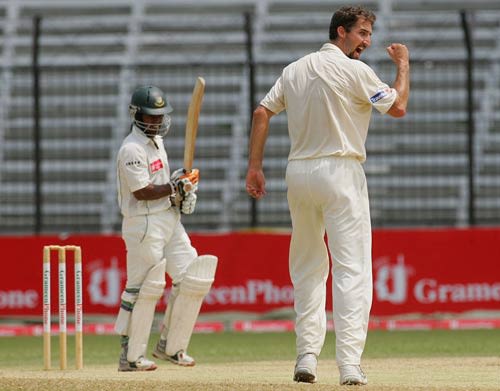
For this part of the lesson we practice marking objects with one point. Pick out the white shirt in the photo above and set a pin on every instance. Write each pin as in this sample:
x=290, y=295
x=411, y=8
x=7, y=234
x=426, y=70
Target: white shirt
x=328, y=98
x=141, y=161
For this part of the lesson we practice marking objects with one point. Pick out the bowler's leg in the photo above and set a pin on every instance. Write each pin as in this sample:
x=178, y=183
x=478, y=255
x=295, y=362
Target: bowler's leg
x=308, y=271
x=349, y=235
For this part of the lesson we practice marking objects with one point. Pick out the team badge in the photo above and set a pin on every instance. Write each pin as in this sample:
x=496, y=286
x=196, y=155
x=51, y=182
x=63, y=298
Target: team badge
x=159, y=102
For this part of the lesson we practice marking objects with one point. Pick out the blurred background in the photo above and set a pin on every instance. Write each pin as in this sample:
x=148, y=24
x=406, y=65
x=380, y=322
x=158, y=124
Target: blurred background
x=68, y=69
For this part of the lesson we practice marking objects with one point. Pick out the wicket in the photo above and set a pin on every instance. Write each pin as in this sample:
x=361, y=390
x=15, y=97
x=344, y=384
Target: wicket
x=77, y=252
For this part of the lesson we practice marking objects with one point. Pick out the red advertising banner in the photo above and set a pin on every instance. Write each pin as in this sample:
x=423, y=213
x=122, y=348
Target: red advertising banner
x=425, y=271
x=414, y=271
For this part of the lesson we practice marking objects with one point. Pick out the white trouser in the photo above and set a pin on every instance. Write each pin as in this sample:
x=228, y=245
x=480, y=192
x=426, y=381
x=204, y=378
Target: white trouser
x=330, y=193
x=151, y=238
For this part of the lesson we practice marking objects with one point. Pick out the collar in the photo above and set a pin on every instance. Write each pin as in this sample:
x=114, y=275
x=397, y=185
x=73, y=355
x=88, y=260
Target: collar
x=331, y=47
x=143, y=138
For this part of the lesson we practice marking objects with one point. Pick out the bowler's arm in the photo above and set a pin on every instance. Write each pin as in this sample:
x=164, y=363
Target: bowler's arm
x=400, y=56
x=255, y=182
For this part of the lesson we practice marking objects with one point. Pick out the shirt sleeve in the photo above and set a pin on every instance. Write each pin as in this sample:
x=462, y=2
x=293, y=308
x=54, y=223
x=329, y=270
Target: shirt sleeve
x=132, y=161
x=373, y=91
x=275, y=98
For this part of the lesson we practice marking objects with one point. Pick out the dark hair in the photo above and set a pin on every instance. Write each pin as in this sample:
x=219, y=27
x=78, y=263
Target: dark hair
x=347, y=18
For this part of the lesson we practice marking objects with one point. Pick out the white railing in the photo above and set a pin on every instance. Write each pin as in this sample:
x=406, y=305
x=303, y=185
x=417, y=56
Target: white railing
x=272, y=25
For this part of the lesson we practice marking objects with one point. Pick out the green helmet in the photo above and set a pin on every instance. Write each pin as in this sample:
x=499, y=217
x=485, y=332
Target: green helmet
x=150, y=100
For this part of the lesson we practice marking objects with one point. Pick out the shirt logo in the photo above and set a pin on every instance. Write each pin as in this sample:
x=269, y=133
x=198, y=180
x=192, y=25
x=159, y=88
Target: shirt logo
x=156, y=165
x=379, y=95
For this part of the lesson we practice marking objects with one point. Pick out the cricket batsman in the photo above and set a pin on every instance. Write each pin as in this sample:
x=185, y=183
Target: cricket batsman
x=152, y=201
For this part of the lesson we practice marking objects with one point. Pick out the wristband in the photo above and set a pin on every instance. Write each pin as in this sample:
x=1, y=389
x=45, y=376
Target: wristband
x=173, y=189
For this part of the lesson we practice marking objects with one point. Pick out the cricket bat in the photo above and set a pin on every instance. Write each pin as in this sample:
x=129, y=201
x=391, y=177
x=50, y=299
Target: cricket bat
x=192, y=123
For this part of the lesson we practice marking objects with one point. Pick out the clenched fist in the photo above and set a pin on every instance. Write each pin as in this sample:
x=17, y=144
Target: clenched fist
x=185, y=182
x=399, y=53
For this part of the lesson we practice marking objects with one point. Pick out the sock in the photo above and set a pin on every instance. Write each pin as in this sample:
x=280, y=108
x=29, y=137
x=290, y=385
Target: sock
x=124, y=340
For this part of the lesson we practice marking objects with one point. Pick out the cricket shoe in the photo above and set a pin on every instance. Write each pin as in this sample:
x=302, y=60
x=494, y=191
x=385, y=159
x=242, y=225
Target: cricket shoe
x=142, y=364
x=180, y=358
x=352, y=375
x=305, y=368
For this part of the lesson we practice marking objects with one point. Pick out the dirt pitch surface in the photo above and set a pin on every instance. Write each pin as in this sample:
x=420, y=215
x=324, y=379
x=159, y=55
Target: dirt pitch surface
x=472, y=373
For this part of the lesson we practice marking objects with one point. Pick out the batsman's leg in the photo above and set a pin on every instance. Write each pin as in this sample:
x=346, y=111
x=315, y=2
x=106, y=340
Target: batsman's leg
x=128, y=299
x=183, y=310
x=143, y=312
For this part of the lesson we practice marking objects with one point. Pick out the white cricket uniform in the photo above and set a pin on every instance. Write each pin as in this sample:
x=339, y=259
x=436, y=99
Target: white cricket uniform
x=152, y=230
x=328, y=98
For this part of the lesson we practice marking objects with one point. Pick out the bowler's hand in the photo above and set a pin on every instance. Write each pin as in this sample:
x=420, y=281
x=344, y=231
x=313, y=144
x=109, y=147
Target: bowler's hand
x=399, y=53
x=256, y=183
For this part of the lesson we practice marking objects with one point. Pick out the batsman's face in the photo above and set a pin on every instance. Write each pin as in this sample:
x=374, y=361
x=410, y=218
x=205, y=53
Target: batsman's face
x=358, y=39
x=154, y=125
x=154, y=121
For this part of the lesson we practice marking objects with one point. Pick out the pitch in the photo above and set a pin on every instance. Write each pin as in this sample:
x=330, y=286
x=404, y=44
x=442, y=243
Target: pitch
x=409, y=360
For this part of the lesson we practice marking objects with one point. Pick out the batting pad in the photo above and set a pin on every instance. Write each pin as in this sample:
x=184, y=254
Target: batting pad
x=192, y=289
x=122, y=322
x=144, y=310
x=128, y=300
x=174, y=292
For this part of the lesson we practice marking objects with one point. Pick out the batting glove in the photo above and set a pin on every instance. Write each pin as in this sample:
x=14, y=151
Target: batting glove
x=188, y=203
x=184, y=182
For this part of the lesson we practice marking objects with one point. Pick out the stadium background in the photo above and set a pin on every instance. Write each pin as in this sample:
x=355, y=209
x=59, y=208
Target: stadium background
x=67, y=72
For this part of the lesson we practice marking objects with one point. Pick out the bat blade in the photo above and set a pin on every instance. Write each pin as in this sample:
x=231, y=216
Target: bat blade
x=192, y=123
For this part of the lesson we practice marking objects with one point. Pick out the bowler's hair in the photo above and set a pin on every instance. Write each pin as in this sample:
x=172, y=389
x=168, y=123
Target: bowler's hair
x=347, y=18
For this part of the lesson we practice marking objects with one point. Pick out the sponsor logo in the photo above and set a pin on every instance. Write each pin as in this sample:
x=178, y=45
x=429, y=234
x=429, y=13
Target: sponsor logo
x=391, y=284
x=104, y=286
x=250, y=293
x=379, y=95
x=133, y=163
x=18, y=299
x=391, y=280
x=156, y=165
x=429, y=291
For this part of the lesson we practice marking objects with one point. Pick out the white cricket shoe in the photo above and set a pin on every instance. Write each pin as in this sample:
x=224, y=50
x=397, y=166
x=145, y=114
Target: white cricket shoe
x=142, y=364
x=352, y=375
x=180, y=358
x=305, y=368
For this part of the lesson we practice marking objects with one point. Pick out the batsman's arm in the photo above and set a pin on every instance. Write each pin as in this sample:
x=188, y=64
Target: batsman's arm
x=255, y=181
x=154, y=192
x=400, y=56
x=180, y=181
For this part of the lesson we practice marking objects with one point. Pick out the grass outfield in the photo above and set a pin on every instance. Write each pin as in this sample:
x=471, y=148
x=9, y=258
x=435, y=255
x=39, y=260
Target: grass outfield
x=395, y=360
